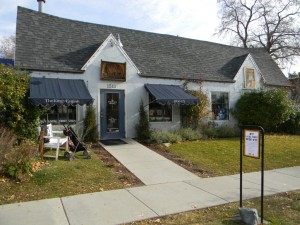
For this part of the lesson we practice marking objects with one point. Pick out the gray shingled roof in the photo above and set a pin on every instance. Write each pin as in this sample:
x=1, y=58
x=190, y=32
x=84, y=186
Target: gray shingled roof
x=50, y=43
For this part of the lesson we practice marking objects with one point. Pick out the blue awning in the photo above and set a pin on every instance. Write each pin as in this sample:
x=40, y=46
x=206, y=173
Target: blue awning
x=171, y=95
x=54, y=91
x=7, y=62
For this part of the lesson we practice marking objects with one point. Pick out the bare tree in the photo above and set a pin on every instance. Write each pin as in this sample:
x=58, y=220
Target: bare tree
x=271, y=24
x=7, y=47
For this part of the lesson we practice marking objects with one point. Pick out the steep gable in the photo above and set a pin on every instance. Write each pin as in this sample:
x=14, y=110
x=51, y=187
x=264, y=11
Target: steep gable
x=110, y=40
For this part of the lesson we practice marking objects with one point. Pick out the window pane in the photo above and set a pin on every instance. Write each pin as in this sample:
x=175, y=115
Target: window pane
x=112, y=112
x=63, y=114
x=249, y=79
x=60, y=115
x=220, y=106
x=159, y=113
x=53, y=115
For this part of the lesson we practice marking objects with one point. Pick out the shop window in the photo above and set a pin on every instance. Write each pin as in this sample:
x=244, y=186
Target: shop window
x=220, y=106
x=158, y=112
x=60, y=115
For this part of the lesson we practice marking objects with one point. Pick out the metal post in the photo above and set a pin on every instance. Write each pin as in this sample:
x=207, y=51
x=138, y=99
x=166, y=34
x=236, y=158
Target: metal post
x=241, y=167
x=262, y=175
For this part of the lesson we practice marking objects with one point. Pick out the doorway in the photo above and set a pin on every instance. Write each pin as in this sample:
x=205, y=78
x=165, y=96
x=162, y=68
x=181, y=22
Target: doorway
x=112, y=114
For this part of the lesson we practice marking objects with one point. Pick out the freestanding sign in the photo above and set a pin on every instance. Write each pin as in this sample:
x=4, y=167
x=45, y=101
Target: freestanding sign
x=252, y=145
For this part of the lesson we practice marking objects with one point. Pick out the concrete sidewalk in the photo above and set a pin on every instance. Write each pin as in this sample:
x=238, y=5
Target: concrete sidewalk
x=166, y=193
x=147, y=165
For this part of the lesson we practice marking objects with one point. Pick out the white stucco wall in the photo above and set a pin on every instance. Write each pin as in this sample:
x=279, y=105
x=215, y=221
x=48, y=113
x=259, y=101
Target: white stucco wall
x=135, y=91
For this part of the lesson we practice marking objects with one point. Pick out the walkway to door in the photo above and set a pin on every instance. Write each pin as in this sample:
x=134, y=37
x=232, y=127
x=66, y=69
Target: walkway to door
x=147, y=165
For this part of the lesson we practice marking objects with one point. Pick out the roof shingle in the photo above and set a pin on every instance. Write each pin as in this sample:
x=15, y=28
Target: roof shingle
x=49, y=43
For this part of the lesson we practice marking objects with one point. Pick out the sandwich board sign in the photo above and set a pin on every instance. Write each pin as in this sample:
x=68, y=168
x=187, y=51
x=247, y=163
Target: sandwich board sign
x=251, y=143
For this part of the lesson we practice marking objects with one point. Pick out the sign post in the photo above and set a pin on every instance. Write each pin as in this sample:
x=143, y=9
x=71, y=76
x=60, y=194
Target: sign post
x=252, y=145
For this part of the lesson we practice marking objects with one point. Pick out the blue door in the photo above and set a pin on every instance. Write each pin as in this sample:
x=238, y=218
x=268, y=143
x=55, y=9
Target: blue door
x=112, y=114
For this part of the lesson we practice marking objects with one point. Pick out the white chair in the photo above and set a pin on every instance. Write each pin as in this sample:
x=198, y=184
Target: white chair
x=55, y=142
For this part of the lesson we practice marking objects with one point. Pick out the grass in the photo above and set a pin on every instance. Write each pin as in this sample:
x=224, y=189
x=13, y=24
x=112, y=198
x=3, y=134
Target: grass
x=63, y=178
x=222, y=156
x=281, y=209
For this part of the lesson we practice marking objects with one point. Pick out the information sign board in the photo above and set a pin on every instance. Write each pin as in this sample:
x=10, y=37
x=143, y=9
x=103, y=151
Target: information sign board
x=251, y=147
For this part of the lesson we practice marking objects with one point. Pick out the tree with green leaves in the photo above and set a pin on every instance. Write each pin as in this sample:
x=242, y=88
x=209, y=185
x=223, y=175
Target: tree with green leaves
x=266, y=108
x=16, y=111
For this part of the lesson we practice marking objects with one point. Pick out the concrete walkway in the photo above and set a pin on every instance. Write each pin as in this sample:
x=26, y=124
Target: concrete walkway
x=169, y=189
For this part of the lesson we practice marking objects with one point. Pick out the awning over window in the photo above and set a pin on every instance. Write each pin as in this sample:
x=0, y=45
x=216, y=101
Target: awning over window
x=54, y=91
x=171, y=94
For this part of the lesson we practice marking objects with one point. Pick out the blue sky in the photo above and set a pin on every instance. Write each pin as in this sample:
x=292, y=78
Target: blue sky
x=195, y=19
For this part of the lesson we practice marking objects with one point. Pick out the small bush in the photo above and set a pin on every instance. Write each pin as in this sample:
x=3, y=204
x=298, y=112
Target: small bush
x=188, y=134
x=209, y=130
x=226, y=131
x=213, y=131
x=142, y=129
x=7, y=140
x=291, y=126
x=90, y=130
x=160, y=136
x=16, y=160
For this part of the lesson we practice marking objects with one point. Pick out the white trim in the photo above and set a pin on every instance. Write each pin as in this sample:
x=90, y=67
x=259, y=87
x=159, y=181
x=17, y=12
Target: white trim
x=112, y=41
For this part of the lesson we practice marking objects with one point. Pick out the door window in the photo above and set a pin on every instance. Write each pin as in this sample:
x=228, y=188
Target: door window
x=112, y=112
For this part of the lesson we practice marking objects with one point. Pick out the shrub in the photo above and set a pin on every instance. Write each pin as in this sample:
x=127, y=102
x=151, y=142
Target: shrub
x=267, y=109
x=16, y=111
x=188, y=134
x=90, y=130
x=211, y=130
x=143, y=126
x=7, y=139
x=192, y=115
x=226, y=131
x=291, y=126
x=16, y=160
x=160, y=136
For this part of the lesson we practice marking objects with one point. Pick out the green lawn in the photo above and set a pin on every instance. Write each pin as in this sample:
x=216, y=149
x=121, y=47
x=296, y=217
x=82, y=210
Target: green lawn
x=62, y=178
x=281, y=209
x=222, y=156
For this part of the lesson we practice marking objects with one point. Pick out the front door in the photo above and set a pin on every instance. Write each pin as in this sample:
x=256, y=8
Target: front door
x=112, y=114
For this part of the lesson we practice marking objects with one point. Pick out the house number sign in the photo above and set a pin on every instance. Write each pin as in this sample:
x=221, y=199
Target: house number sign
x=111, y=86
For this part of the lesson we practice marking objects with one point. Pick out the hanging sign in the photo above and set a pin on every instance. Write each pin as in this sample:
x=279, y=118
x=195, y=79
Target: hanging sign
x=251, y=147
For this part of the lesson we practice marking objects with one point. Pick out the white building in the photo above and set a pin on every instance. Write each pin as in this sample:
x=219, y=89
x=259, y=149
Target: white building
x=116, y=64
